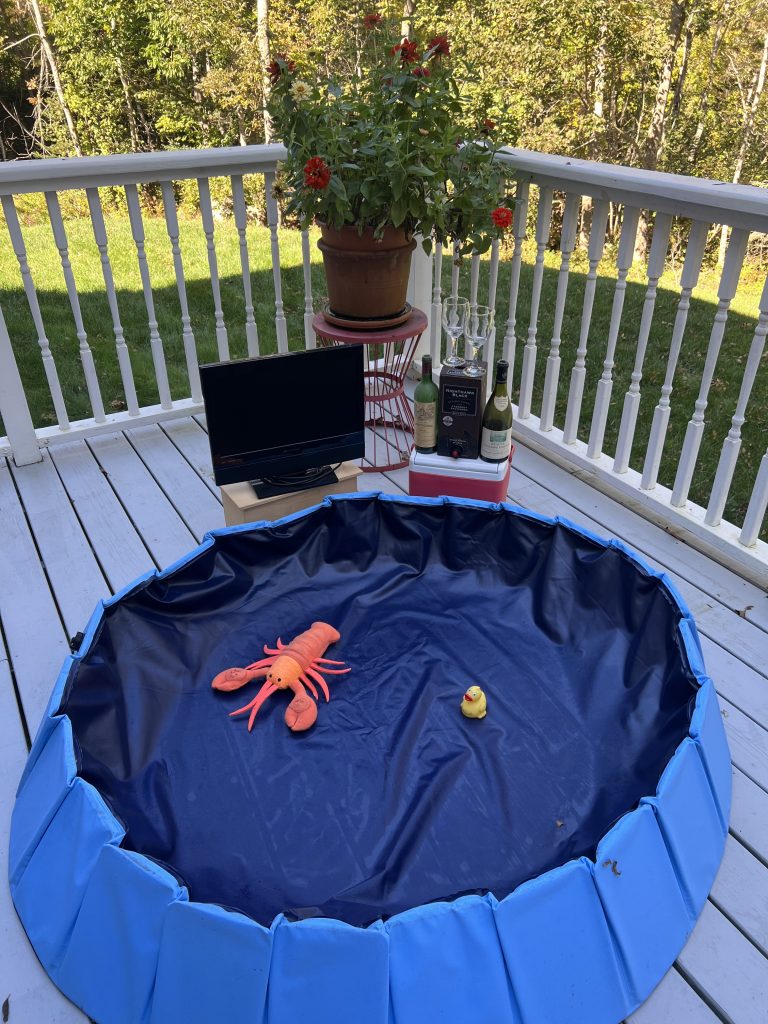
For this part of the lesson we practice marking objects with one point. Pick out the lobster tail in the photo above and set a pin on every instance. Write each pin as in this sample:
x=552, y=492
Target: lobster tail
x=328, y=633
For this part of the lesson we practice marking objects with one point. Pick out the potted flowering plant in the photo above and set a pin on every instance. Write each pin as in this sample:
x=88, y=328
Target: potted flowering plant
x=380, y=156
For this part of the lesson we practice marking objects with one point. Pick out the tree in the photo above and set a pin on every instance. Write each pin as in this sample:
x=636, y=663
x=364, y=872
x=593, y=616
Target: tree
x=53, y=67
x=654, y=137
x=751, y=102
x=262, y=33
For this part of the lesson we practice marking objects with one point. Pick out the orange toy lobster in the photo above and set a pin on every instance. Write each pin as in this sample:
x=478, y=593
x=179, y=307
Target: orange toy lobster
x=292, y=667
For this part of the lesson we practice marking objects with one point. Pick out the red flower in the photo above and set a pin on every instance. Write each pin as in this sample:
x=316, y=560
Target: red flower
x=317, y=173
x=372, y=21
x=440, y=45
x=408, y=50
x=421, y=72
x=502, y=217
x=488, y=126
x=280, y=63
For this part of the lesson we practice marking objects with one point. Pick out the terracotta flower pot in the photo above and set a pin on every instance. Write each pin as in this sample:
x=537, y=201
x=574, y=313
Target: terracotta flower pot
x=367, y=277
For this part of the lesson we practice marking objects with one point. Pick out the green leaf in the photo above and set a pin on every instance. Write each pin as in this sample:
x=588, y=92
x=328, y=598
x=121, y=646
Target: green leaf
x=337, y=187
x=398, y=211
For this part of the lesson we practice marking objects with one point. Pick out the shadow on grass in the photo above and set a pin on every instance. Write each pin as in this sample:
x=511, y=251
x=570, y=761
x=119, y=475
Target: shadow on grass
x=60, y=328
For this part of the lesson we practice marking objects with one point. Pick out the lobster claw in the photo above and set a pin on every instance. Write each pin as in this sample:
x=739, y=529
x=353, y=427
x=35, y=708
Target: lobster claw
x=301, y=713
x=234, y=678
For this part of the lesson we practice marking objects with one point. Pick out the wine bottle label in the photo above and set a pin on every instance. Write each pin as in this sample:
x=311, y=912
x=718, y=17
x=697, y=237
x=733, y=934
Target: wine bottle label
x=501, y=402
x=426, y=424
x=496, y=444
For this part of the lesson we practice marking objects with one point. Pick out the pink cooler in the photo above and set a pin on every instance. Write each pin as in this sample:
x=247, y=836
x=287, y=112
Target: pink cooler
x=431, y=475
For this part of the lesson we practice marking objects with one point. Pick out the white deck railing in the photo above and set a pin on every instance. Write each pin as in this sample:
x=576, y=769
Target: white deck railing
x=692, y=205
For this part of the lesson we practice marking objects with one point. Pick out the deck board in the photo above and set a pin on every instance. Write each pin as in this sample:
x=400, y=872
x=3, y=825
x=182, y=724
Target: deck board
x=144, y=497
x=117, y=544
x=673, y=1001
x=749, y=815
x=164, y=532
x=192, y=441
x=28, y=612
x=179, y=482
x=74, y=573
x=741, y=893
x=726, y=969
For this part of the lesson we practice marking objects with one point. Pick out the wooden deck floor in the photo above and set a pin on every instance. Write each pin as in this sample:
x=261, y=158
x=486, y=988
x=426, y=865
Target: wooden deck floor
x=93, y=515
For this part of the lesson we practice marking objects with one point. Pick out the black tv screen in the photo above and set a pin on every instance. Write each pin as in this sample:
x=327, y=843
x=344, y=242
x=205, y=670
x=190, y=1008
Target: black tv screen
x=274, y=416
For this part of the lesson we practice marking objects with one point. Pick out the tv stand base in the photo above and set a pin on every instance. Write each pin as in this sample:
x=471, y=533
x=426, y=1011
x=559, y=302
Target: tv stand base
x=272, y=486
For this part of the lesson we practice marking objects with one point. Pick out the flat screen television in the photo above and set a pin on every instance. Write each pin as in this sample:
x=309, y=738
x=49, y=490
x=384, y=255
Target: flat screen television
x=282, y=419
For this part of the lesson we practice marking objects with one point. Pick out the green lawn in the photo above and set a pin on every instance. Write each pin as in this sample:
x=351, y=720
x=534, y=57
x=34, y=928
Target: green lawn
x=46, y=271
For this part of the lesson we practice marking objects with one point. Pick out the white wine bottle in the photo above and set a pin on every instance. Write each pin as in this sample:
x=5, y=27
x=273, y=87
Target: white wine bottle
x=496, y=442
x=425, y=407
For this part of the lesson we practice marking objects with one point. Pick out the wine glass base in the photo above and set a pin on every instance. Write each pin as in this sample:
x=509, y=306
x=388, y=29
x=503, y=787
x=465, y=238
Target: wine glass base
x=473, y=370
x=456, y=361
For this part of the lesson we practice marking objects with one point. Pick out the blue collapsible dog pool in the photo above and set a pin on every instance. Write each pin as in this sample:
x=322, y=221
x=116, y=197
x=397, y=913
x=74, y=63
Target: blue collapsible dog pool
x=398, y=863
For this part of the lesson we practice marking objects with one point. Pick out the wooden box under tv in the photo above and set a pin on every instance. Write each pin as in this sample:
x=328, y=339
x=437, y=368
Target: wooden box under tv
x=241, y=505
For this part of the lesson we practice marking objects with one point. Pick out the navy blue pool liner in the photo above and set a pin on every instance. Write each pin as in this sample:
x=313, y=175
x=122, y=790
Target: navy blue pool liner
x=584, y=943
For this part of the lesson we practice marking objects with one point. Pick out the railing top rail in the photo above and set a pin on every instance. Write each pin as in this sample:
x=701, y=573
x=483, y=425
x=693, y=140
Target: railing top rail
x=715, y=202
x=58, y=174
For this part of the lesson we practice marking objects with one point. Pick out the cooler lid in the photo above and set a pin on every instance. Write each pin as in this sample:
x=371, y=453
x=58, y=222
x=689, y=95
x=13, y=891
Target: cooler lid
x=442, y=465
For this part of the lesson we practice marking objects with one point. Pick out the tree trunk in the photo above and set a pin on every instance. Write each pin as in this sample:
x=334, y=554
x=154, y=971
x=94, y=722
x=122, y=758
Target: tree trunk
x=600, y=57
x=654, y=138
x=128, y=97
x=747, y=131
x=598, y=113
x=262, y=38
x=677, y=92
x=717, y=41
x=409, y=9
x=50, y=59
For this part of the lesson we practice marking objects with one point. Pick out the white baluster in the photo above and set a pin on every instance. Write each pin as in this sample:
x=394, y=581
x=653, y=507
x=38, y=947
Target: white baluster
x=734, y=258
x=694, y=254
x=206, y=214
x=552, y=372
x=123, y=355
x=732, y=443
x=455, y=266
x=489, y=348
x=578, y=373
x=20, y=249
x=310, y=340
x=155, y=341
x=605, y=384
x=190, y=349
x=474, y=281
x=437, y=305
x=543, y=218
x=86, y=356
x=14, y=407
x=474, y=284
x=756, y=509
x=241, y=223
x=493, y=273
x=519, y=225
x=281, y=328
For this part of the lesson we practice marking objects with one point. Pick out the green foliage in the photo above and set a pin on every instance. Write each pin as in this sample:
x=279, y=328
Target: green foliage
x=579, y=78
x=382, y=144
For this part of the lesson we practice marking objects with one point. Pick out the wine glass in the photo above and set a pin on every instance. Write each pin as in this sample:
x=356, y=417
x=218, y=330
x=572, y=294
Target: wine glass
x=455, y=311
x=478, y=330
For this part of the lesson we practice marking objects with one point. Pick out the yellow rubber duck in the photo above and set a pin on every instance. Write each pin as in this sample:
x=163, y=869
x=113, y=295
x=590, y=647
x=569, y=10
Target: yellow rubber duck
x=474, y=704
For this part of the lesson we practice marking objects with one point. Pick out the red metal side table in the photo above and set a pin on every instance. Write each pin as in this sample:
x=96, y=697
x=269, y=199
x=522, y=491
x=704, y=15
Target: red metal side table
x=388, y=354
